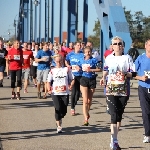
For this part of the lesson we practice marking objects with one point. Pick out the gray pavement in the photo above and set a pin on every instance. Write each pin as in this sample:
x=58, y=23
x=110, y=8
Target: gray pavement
x=29, y=124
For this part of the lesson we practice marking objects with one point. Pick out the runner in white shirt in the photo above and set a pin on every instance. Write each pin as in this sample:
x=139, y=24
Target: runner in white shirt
x=118, y=68
x=60, y=81
x=34, y=65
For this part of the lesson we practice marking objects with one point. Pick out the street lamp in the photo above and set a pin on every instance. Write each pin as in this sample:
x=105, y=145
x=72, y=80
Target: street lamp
x=35, y=19
x=15, y=25
x=36, y=3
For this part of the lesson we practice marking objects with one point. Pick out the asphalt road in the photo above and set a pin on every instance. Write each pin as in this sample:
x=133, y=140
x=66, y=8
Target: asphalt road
x=29, y=124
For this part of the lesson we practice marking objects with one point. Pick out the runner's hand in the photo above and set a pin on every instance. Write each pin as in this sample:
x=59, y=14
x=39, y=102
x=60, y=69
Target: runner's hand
x=78, y=68
x=70, y=87
x=144, y=78
x=102, y=81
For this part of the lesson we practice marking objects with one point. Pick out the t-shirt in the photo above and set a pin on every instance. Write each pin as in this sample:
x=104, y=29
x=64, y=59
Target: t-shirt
x=96, y=55
x=68, y=50
x=90, y=63
x=62, y=53
x=117, y=82
x=107, y=52
x=73, y=59
x=16, y=56
x=27, y=55
x=3, y=53
x=42, y=65
x=34, y=55
x=61, y=78
x=142, y=66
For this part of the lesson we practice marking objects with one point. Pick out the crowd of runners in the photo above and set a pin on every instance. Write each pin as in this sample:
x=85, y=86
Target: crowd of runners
x=55, y=70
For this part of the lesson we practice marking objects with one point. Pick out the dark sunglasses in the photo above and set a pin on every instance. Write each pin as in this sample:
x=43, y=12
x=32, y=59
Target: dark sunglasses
x=120, y=43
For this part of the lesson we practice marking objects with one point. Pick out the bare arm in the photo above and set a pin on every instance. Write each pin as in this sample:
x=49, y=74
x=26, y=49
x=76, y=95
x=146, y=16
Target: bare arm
x=41, y=59
x=67, y=64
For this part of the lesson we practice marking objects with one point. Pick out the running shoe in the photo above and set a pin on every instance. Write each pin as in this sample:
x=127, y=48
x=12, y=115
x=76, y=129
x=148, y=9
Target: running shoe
x=35, y=86
x=115, y=146
x=86, y=123
x=72, y=112
x=45, y=96
x=18, y=96
x=13, y=96
x=146, y=139
x=25, y=91
x=59, y=129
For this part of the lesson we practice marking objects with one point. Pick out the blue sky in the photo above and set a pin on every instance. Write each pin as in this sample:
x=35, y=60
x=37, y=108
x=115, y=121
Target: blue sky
x=10, y=8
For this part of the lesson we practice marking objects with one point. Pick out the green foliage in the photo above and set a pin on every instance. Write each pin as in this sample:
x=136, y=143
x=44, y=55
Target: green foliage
x=95, y=38
x=139, y=27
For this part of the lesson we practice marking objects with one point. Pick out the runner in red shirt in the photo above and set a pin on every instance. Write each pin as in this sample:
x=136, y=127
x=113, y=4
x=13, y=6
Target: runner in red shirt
x=15, y=57
x=62, y=52
x=70, y=48
x=108, y=52
x=27, y=57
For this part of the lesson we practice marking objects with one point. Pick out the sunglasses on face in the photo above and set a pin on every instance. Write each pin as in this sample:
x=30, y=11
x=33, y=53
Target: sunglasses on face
x=120, y=43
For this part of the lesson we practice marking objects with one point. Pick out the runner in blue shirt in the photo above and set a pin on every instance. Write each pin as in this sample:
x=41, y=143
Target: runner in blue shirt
x=88, y=81
x=43, y=59
x=143, y=69
x=72, y=59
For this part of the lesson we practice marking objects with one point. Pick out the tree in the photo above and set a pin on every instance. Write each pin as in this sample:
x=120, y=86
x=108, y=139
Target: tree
x=139, y=27
x=95, y=38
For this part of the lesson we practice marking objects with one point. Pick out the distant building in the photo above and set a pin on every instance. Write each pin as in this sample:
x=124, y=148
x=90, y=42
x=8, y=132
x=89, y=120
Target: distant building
x=64, y=37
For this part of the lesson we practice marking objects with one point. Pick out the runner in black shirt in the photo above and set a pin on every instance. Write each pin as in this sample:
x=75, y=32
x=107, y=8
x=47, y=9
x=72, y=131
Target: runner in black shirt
x=3, y=53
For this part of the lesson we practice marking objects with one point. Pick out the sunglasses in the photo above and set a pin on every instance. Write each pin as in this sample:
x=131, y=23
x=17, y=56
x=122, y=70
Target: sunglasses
x=120, y=43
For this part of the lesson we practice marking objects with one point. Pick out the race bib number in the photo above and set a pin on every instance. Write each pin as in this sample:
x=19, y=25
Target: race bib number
x=85, y=67
x=60, y=89
x=16, y=57
x=46, y=57
x=74, y=68
x=147, y=73
x=25, y=56
x=117, y=78
x=1, y=55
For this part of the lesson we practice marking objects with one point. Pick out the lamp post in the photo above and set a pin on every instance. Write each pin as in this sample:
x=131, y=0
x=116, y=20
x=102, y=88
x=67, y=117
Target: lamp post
x=39, y=21
x=15, y=25
x=35, y=19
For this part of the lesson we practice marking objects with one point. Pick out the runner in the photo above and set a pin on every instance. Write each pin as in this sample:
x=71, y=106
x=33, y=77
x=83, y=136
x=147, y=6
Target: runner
x=70, y=48
x=62, y=82
x=95, y=53
x=56, y=52
x=8, y=47
x=27, y=57
x=108, y=52
x=88, y=81
x=117, y=67
x=43, y=68
x=3, y=54
x=142, y=65
x=15, y=57
x=72, y=60
x=34, y=65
